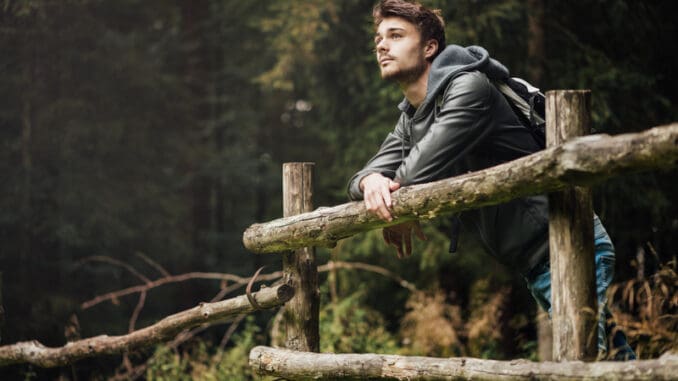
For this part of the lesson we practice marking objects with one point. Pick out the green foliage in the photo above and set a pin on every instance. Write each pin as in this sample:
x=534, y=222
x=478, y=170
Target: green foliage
x=350, y=326
x=295, y=29
x=201, y=361
x=167, y=365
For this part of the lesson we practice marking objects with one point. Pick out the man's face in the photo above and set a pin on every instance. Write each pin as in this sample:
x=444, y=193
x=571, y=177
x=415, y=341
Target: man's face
x=399, y=50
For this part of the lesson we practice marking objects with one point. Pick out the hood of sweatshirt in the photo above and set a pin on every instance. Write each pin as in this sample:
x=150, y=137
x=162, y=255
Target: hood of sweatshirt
x=455, y=59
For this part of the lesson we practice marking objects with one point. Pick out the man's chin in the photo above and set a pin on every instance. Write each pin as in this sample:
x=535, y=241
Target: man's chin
x=402, y=76
x=390, y=75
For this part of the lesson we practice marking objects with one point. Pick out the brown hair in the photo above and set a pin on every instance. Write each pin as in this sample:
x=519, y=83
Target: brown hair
x=429, y=22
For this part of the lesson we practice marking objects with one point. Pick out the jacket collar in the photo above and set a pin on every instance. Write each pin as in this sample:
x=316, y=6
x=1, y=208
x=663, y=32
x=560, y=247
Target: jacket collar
x=453, y=60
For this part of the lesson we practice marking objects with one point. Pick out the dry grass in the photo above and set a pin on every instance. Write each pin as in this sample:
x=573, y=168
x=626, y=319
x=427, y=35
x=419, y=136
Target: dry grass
x=431, y=327
x=485, y=324
x=647, y=310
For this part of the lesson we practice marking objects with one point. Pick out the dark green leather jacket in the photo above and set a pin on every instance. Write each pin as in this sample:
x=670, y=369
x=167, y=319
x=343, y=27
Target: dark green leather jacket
x=465, y=124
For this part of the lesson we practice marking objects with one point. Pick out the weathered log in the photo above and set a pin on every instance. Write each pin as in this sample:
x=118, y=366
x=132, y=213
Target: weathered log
x=312, y=366
x=301, y=318
x=35, y=353
x=581, y=161
x=573, y=275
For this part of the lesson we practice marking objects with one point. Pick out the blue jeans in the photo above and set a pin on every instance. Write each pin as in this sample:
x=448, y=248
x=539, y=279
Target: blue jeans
x=539, y=283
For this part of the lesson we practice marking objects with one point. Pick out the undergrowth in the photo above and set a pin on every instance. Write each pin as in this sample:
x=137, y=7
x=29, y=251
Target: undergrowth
x=201, y=361
x=647, y=310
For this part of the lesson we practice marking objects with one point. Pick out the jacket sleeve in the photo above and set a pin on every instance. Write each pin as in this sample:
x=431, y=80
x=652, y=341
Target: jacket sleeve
x=461, y=124
x=385, y=161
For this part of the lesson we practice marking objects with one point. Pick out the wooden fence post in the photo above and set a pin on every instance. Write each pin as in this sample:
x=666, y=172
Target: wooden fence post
x=573, y=296
x=300, y=270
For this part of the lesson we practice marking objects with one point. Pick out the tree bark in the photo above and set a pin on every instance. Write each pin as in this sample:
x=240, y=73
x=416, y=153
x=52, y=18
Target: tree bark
x=300, y=270
x=581, y=161
x=2, y=309
x=312, y=366
x=194, y=16
x=35, y=353
x=27, y=167
x=535, y=40
x=573, y=275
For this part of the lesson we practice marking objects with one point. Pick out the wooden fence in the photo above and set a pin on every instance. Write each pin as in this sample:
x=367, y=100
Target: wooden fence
x=561, y=170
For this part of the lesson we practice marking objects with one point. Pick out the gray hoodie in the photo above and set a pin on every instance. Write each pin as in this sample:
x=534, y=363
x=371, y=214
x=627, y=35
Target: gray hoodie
x=465, y=124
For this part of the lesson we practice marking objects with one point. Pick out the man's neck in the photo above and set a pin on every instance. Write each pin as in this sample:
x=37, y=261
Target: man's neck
x=415, y=91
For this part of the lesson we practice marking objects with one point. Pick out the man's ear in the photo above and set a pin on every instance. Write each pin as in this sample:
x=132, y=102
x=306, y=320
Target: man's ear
x=430, y=48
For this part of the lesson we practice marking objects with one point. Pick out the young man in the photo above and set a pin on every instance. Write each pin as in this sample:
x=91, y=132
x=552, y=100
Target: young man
x=454, y=121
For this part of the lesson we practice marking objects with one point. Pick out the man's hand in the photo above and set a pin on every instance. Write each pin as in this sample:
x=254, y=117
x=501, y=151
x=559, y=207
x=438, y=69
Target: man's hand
x=377, y=194
x=400, y=234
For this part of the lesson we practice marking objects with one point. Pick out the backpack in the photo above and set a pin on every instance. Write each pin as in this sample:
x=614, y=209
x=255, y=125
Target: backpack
x=528, y=103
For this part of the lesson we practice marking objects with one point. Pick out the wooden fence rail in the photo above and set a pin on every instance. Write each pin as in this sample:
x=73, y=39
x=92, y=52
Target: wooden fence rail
x=580, y=161
x=294, y=365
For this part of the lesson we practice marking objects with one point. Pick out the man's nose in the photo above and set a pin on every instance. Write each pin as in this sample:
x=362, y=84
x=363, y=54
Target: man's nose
x=382, y=46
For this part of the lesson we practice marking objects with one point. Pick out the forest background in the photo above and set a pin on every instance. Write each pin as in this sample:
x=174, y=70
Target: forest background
x=140, y=138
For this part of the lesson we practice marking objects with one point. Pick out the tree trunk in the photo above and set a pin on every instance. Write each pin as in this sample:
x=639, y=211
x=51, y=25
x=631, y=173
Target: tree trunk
x=2, y=309
x=581, y=161
x=194, y=14
x=312, y=366
x=535, y=41
x=27, y=167
x=535, y=71
x=35, y=353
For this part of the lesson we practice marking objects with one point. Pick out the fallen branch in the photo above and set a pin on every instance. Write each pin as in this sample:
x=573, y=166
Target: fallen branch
x=581, y=161
x=312, y=366
x=119, y=263
x=330, y=265
x=239, y=281
x=35, y=353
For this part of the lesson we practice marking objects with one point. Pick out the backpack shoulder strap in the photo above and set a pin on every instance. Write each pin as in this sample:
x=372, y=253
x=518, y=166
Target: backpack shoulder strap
x=525, y=108
x=513, y=97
